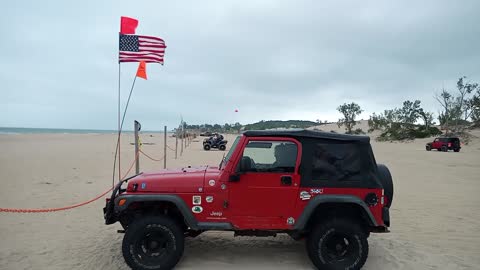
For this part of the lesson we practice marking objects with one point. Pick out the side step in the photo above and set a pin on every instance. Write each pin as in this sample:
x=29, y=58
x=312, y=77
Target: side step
x=255, y=233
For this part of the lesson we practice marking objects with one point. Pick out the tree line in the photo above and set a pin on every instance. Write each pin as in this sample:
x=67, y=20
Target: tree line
x=460, y=110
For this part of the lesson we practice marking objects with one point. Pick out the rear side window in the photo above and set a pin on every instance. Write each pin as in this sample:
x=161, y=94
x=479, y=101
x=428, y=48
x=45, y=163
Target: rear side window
x=336, y=162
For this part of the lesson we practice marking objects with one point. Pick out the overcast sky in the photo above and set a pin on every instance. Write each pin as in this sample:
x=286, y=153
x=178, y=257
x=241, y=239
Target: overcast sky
x=268, y=59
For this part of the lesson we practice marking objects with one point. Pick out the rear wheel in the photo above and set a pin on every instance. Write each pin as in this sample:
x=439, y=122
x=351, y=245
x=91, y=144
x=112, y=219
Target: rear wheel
x=456, y=150
x=222, y=147
x=428, y=148
x=153, y=243
x=444, y=148
x=338, y=244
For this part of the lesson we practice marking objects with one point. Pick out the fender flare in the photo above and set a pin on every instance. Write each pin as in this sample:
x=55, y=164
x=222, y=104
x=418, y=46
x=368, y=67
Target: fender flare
x=177, y=201
x=322, y=199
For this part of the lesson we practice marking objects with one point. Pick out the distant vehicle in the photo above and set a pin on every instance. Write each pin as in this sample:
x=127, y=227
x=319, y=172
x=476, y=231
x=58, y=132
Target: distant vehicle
x=206, y=134
x=444, y=144
x=215, y=141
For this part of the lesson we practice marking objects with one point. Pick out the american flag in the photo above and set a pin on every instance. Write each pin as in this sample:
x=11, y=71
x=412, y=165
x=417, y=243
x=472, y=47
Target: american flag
x=134, y=48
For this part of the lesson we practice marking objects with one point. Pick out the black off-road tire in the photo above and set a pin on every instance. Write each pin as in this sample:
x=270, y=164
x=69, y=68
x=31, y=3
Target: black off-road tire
x=428, y=148
x=222, y=147
x=153, y=243
x=456, y=150
x=444, y=149
x=206, y=147
x=337, y=230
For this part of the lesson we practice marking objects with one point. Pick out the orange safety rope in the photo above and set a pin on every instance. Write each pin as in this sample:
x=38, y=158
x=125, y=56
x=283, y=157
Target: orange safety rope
x=44, y=210
x=140, y=150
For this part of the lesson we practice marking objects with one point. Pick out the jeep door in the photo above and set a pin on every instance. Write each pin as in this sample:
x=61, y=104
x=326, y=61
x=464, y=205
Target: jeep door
x=265, y=192
x=437, y=144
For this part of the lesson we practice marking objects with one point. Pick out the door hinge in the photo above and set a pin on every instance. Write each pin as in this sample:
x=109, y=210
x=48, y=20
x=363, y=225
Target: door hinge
x=225, y=204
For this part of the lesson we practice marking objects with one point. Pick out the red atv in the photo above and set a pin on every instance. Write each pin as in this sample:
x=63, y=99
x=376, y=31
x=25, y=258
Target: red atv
x=325, y=188
x=444, y=144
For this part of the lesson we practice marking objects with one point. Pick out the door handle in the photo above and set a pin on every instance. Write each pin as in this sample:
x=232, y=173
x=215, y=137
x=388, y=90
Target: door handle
x=286, y=180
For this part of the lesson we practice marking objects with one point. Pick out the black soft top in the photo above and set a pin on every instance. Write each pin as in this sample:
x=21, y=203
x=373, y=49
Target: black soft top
x=303, y=133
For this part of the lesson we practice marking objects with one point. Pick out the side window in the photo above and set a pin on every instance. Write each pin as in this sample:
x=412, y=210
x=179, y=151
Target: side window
x=436, y=140
x=270, y=156
x=336, y=162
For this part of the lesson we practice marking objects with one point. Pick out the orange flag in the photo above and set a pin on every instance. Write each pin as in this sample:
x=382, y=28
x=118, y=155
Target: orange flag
x=142, y=70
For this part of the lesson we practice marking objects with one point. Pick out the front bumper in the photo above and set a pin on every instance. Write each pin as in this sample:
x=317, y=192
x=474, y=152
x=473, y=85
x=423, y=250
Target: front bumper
x=109, y=213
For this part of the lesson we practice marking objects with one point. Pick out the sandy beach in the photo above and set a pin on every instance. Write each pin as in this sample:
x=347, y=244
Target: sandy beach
x=435, y=216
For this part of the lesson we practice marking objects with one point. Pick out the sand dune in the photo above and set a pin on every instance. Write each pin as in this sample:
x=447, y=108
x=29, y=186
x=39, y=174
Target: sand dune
x=435, y=217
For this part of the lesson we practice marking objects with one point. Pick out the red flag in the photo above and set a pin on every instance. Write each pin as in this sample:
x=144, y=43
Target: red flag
x=142, y=70
x=128, y=25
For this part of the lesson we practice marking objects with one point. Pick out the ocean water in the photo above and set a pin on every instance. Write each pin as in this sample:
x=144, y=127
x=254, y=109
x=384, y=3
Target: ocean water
x=17, y=130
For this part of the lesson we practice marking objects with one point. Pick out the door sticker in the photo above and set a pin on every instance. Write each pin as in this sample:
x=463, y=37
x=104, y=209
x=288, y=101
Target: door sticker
x=304, y=195
x=209, y=199
x=197, y=200
x=197, y=209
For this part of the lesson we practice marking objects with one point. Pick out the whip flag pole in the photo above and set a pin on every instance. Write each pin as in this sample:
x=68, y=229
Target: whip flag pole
x=134, y=48
x=127, y=26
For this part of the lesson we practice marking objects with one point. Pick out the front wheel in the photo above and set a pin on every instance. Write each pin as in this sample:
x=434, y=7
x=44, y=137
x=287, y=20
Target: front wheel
x=206, y=147
x=222, y=147
x=154, y=243
x=338, y=244
x=428, y=148
x=444, y=149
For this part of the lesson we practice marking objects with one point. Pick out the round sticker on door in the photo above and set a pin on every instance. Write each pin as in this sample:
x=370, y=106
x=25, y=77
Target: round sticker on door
x=197, y=209
x=211, y=183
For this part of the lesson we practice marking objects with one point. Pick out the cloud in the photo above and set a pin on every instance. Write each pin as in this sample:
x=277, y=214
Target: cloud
x=269, y=59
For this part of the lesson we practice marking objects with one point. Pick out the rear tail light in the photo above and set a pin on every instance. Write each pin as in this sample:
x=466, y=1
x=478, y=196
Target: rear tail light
x=449, y=144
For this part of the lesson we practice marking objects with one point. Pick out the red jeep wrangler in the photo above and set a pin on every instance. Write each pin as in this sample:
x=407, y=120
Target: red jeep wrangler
x=444, y=144
x=322, y=187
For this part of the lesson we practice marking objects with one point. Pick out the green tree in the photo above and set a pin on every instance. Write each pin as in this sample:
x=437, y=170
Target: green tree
x=410, y=112
x=475, y=105
x=350, y=112
x=458, y=109
x=427, y=118
x=400, y=124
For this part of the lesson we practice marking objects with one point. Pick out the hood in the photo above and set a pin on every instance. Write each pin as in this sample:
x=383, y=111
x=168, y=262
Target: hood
x=171, y=180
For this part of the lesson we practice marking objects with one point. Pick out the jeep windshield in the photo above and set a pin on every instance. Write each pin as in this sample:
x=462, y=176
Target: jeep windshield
x=230, y=153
